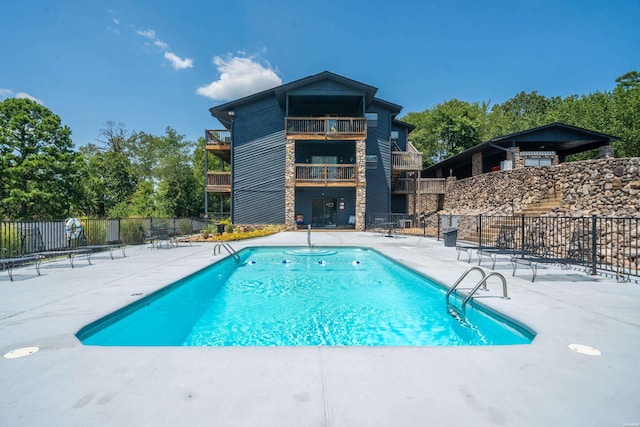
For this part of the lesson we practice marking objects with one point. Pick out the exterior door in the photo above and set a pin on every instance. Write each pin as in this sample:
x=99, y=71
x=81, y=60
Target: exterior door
x=323, y=212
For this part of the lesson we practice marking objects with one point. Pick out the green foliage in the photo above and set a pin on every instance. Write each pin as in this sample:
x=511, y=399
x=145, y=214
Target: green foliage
x=110, y=183
x=10, y=244
x=453, y=126
x=95, y=232
x=448, y=129
x=39, y=172
x=130, y=230
x=248, y=232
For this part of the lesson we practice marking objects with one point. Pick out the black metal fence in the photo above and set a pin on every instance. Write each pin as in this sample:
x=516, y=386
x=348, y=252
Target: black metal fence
x=58, y=234
x=604, y=244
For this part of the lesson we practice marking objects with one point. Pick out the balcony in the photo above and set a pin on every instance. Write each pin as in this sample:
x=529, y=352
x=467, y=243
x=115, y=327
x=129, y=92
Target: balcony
x=218, y=143
x=218, y=182
x=426, y=186
x=406, y=161
x=334, y=128
x=325, y=175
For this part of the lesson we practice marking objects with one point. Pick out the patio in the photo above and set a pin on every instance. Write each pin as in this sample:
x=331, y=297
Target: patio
x=545, y=383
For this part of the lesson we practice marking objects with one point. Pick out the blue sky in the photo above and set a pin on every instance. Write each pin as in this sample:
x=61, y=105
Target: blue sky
x=153, y=64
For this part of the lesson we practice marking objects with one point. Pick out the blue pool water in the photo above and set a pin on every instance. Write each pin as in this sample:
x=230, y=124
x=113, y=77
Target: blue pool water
x=301, y=297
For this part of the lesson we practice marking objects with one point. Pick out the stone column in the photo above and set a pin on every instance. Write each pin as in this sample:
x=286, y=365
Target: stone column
x=605, y=152
x=361, y=184
x=476, y=164
x=515, y=153
x=290, y=185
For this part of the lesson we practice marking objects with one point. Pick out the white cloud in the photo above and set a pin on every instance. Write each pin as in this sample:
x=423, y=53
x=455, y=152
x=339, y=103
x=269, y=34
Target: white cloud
x=239, y=76
x=177, y=62
x=150, y=34
x=162, y=45
x=27, y=96
x=116, y=22
x=8, y=93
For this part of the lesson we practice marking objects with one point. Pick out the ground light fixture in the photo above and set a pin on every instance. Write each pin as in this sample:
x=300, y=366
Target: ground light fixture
x=21, y=352
x=585, y=349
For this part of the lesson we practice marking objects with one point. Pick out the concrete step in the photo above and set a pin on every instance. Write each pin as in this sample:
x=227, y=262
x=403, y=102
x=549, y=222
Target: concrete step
x=542, y=207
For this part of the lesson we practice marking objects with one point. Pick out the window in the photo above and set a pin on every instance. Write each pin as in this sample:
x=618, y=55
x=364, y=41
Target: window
x=371, y=161
x=372, y=119
x=534, y=161
x=394, y=135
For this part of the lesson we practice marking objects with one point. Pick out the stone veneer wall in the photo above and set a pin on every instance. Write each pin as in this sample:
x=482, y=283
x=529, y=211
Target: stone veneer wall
x=361, y=184
x=604, y=187
x=289, y=185
x=290, y=188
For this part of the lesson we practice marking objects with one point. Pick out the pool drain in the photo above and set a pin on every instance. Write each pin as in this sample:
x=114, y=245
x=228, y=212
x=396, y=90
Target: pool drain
x=21, y=352
x=585, y=349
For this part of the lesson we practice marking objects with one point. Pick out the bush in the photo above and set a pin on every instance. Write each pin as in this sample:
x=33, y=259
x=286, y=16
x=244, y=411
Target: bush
x=9, y=241
x=245, y=232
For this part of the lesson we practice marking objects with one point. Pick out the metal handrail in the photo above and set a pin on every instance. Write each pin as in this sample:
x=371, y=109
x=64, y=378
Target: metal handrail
x=469, y=270
x=484, y=282
x=218, y=248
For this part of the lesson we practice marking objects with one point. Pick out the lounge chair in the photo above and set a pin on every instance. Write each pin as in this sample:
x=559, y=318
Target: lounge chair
x=81, y=243
x=160, y=237
x=33, y=244
x=10, y=263
x=532, y=262
x=504, y=245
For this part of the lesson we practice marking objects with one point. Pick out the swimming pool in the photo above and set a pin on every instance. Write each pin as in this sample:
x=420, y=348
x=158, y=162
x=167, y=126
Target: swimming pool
x=299, y=296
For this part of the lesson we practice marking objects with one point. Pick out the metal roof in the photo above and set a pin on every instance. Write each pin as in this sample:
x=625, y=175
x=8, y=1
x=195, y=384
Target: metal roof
x=558, y=137
x=221, y=112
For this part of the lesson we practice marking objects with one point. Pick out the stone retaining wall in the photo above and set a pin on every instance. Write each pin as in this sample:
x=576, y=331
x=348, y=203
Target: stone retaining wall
x=604, y=187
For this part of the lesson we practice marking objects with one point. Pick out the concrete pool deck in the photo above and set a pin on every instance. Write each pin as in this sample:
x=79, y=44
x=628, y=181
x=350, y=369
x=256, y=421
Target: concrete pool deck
x=541, y=384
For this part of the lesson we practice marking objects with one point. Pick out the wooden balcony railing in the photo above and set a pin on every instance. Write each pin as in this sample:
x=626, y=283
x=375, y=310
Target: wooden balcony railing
x=326, y=127
x=325, y=174
x=406, y=161
x=426, y=186
x=219, y=182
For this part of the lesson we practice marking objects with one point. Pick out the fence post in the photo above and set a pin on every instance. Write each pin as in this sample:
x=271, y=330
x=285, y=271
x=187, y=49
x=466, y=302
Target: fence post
x=438, y=230
x=522, y=235
x=594, y=241
x=479, y=230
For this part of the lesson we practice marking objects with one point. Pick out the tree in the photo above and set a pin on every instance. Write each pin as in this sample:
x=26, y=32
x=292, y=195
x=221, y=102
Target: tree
x=115, y=137
x=448, y=129
x=110, y=182
x=111, y=179
x=626, y=100
x=523, y=111
x=178, y=189
x=39, y=171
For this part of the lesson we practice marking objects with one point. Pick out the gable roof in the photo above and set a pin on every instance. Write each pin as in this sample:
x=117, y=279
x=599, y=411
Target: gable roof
x=221, y=112
x=559, y=137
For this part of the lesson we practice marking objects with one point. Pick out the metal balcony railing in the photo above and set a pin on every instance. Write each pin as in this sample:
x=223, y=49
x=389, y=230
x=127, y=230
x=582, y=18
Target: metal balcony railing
x=217, y=137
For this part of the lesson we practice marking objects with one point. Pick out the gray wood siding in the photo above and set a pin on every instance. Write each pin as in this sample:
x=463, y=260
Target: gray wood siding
x=378, y=180
x=258, y=181
x=258, y=163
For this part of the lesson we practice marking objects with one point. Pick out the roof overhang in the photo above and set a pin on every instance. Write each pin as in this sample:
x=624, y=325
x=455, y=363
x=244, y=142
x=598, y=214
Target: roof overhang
x=563, y=139
x=297, y=93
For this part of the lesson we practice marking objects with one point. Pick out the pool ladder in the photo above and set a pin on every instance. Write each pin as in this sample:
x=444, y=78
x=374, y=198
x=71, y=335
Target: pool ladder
x=218, y=248
x=482, y=282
